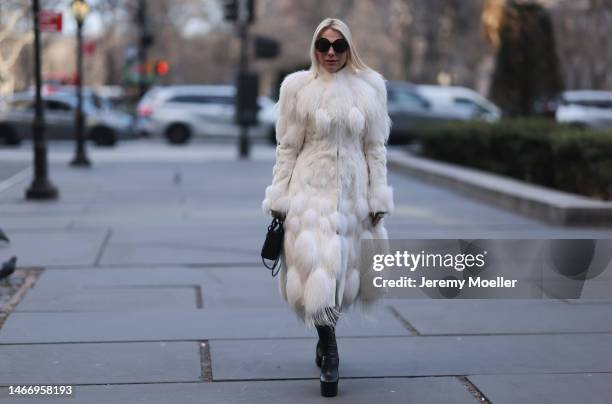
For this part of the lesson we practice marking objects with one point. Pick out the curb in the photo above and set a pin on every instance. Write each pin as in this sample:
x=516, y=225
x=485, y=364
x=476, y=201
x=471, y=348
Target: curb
x=551, y=206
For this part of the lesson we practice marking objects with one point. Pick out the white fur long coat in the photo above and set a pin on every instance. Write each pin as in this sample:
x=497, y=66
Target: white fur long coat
x=330, y=173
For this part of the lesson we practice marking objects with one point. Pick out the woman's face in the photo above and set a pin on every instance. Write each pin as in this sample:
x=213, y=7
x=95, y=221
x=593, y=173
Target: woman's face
x=330, y=60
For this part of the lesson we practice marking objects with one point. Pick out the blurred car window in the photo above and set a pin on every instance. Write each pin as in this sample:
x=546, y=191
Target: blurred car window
x=467, y=103
x=591, y=103
x=406, y=98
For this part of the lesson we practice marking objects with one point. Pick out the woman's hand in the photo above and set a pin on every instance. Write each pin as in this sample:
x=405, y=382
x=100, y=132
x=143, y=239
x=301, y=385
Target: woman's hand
x=277, y=214
x=375, y=217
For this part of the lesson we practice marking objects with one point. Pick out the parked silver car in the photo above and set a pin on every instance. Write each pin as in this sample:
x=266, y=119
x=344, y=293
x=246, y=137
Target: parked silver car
x=179, y=113
x=103, y=125
x=586, y=108
x=408, y=110
x=462, y=101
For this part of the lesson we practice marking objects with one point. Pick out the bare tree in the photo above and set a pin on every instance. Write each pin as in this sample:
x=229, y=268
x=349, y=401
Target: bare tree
x=14, y=37
x=584, y=28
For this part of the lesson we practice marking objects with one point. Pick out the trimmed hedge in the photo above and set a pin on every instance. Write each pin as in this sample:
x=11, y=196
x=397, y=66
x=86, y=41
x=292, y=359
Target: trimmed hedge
x=534, y=150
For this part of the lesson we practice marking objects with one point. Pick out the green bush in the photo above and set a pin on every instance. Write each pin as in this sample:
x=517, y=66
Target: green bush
x=533, y=150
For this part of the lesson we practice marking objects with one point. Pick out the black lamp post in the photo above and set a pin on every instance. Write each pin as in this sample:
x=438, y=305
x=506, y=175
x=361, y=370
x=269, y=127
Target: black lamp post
x=41, y=187
x=80, y=9
x=145, y=41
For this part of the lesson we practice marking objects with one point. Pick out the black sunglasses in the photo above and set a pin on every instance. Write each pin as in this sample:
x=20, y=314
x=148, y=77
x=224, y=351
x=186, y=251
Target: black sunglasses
x=339, y=45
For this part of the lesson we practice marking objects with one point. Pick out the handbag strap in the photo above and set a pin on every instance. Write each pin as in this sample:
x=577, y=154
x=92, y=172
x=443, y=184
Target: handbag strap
x=276, y=262
x=276, y=223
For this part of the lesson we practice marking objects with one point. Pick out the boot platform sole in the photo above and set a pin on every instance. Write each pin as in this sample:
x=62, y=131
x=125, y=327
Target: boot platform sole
x=329, y=389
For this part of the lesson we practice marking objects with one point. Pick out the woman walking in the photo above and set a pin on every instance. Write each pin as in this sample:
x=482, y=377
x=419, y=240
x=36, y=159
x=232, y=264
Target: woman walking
x=329, y=185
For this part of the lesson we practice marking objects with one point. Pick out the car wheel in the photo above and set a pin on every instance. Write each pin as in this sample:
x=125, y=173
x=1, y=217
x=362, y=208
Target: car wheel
x=103, y=136
x=9, y=136
x=178, y=134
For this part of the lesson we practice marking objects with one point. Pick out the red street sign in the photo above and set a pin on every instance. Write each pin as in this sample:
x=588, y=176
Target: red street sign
x=50, y=21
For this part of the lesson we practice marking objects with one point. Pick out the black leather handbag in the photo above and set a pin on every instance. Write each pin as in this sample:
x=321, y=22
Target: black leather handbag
x=273, y=245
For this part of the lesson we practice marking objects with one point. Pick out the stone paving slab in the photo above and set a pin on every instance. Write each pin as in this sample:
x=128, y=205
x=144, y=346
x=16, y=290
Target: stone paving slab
x=587, y=302
x=353, y=391
x=74, y=195
x=166, y=253
x=111, y=299
x=129, y=220
x=222, y=279
x=119, y=276
x=42, y=223
x=477, y=316
x=142, y=362
x=9, y=169
x=153, y=275
x=148, y=211
x=183, y=324
x=250, y=222
x=264, y=295
x=415, y=356
x=189, y=233
x=55, y=248
x=220, y=288
x=584, y=388
x=130, y=196
x=227, y=288
x=27, y=210
x=182, y=246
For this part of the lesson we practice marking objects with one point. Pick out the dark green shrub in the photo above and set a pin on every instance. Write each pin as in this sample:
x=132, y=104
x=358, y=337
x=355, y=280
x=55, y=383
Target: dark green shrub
x=533, y=150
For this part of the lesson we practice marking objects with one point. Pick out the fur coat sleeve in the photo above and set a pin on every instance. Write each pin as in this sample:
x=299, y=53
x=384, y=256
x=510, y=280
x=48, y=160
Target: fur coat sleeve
x=378, y=125
x=289, y=137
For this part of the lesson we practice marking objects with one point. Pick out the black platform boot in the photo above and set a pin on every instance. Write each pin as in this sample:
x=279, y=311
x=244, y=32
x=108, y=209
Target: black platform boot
x=329, y=362
x=319, y=354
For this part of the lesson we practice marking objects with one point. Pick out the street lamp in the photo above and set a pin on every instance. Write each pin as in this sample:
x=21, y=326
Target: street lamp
x=41, y=187
x=80, y=9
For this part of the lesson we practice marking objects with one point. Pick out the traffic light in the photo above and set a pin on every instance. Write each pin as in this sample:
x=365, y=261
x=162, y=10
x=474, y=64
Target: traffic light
x=266, y=48
x=230, y=9
x=162, y=67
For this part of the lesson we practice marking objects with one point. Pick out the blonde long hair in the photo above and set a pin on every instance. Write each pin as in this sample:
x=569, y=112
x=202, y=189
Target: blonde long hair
x=352, y=60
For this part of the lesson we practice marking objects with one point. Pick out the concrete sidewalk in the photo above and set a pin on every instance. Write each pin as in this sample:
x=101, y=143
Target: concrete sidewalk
x=153, y=291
